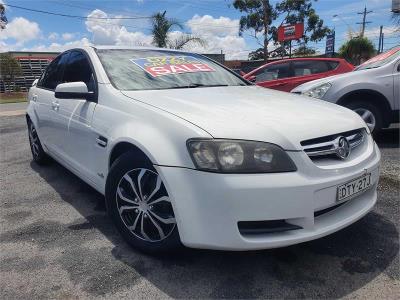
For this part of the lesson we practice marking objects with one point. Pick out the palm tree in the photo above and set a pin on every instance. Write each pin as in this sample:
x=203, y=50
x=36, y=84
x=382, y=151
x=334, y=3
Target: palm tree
x=357, y=50
x=161, y=26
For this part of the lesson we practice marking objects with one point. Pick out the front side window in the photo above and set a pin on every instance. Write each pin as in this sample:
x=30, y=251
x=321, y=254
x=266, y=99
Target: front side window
x=276, y=71
x=309, y=67
x=51, y=77
x=78, y=69
x=155, y=69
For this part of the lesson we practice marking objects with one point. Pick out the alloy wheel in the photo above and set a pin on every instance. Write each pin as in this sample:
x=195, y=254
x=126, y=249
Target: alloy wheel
x=368, y=117
x=144, y=206
x=34, y=140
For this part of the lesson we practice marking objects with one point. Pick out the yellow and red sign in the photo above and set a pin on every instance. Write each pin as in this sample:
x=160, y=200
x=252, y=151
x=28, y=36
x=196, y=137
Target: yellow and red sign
x=174, y=64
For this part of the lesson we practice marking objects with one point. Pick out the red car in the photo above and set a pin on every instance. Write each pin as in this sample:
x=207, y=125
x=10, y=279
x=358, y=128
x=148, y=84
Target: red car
x=286, y=74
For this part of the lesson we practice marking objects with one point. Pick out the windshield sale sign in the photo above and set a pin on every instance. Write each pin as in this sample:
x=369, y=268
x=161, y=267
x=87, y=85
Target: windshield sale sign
x=176, y=64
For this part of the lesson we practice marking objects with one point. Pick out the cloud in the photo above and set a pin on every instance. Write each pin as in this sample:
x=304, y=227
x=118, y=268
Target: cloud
x=207, y=25
x=57, y=47
x=67, y=36
x=220, y=34
x=53, y=36
x=21, y=30
x=111, y=32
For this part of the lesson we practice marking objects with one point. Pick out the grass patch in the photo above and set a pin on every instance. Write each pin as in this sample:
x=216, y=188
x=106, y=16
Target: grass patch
x=12, y=97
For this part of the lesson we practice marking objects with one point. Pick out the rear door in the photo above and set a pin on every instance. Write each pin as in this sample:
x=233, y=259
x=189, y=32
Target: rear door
x=308, y=70
x=74, y=116
x=276, y=76
x=43, y=97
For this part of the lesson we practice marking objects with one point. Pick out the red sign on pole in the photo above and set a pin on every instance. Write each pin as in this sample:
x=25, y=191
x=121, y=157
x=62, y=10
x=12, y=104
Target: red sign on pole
x=290, y=32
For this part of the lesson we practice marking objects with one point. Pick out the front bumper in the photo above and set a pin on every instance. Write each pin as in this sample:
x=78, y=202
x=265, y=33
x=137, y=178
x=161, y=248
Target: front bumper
x=208, y=206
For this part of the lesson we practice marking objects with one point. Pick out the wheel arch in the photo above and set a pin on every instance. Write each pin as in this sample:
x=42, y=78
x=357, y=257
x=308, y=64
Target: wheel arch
x=122, y=147
x=371, y=96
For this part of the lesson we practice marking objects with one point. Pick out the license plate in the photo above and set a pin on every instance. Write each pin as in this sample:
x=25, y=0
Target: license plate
x=353, y=187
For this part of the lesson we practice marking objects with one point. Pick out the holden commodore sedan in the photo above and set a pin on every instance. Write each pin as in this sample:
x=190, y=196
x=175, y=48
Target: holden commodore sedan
x=187, y=152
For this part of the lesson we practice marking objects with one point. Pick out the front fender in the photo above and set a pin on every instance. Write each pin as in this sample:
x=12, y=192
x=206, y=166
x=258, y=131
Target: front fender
x=158, y=134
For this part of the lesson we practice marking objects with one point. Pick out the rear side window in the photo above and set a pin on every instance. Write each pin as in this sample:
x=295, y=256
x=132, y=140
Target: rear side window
x=78, y=69
x=309, y=67
x=51, y=77
x=333, y=65
x=277, y=71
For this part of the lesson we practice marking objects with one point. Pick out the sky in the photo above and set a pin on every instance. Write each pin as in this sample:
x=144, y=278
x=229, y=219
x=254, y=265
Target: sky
x=216, y=21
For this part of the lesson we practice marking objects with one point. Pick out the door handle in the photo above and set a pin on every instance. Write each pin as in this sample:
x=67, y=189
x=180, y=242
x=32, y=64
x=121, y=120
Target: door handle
x=55, y=105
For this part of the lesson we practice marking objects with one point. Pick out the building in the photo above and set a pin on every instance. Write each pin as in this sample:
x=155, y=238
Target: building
x=32, y=65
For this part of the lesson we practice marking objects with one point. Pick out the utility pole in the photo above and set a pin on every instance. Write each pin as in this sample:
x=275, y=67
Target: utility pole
x=380, y=39
x=364, y=22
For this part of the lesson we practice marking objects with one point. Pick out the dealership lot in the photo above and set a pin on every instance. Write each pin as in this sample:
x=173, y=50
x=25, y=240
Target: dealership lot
x=57, y=242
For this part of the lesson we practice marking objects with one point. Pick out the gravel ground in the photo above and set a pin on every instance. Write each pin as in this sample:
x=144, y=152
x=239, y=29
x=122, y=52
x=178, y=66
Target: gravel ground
x=57, y=242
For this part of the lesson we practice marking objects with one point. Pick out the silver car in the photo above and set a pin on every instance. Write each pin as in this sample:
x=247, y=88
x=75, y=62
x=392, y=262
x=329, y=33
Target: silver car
x=372, y=90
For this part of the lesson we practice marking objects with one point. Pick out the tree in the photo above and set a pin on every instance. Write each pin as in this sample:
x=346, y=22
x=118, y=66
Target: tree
x=161, y=27
x=303, y=50
x=261, y=15
x=9, y=69
x=357, y=50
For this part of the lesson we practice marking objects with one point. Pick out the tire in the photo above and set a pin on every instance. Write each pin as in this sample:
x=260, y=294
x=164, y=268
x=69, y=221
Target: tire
x=369, y=112
x=133, y=193
x=39, y=156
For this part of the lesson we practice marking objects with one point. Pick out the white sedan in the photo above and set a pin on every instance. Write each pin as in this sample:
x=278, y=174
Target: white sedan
x=187, y=152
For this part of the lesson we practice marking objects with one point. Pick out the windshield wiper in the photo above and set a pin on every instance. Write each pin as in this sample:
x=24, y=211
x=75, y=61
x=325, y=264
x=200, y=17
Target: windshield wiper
x=196, y=85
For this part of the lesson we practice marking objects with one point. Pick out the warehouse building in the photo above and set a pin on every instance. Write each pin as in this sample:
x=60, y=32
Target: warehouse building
x=32, y=65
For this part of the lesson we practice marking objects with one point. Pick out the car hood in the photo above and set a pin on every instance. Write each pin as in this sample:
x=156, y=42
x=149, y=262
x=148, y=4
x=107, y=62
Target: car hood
x=253, y=113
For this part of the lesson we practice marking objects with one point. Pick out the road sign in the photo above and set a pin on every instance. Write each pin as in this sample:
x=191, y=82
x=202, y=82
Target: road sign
x=330, y=43
x=290, y=32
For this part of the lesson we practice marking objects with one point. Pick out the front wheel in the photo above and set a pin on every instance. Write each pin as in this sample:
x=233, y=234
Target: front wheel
x=139, y=205
x=370, y=113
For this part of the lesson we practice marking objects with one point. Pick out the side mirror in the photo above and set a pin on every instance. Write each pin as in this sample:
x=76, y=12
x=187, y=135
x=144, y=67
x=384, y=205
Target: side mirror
x=73, y=90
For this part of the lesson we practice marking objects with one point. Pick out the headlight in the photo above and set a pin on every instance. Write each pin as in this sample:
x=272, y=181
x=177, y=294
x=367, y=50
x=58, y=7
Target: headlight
x=233, y=156
x=319, y=91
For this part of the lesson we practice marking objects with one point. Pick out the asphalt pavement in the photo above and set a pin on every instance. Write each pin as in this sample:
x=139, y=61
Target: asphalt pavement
x=56, y=241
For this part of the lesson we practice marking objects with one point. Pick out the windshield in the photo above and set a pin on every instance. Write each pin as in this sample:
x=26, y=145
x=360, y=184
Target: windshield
x=380, y=60
x=156, y=69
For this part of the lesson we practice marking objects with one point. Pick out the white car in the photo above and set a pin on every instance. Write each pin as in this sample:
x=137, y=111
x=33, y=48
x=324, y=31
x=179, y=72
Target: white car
x=187, y=152
x=372, y=90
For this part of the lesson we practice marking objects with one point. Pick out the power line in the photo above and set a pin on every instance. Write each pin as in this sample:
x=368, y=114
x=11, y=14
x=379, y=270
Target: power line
x=77, y=17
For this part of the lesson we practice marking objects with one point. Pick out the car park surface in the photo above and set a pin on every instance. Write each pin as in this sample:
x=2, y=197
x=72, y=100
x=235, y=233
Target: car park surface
x=56, y=241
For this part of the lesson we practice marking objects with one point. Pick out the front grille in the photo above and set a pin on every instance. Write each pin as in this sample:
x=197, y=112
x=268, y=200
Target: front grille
x=325, y=146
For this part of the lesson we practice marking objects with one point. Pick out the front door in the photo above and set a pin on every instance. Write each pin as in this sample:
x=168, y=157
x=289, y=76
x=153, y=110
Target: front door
x=45, y=102
x=276, y=76
x=74, y=118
